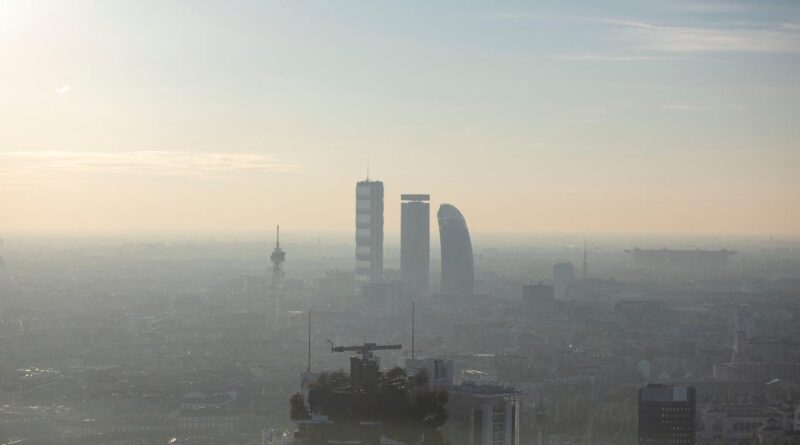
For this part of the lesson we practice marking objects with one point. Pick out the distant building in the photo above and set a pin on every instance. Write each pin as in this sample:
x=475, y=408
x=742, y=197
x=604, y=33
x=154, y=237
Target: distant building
x=440, y=371
x=335, y=285
x=731, y=424
x=564, y=278
x=415, y=240
x=482, y=415
x=458, y=269
x=638, y=313
x=690, y=263
x=199, y=400
x=277, y=258
x=540, y=424
x=759, y=358
x=538, y=298
x=667, y=415
x=365, y=407
x=207, y=422
x=278, y=287
x=369, y=232
x=379, y=298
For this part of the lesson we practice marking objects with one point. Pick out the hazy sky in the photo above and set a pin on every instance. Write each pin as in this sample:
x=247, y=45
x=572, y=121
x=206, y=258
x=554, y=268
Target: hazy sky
x=657, y=116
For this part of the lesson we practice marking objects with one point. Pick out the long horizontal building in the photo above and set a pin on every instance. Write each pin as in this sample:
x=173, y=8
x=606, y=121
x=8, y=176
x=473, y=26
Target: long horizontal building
x=671, y=255
x=682, y=261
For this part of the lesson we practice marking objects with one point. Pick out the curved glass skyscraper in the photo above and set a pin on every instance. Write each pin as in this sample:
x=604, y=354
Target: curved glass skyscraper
x=458, y=270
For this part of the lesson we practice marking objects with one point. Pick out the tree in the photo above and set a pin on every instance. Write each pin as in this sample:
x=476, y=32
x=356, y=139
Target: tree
x=420, y=379
x=298, y=410
x=405, y=408
x=430, y=408
x=393, y=380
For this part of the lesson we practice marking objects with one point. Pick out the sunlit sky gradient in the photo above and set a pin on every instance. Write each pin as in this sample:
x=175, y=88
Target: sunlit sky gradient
x=625, y=116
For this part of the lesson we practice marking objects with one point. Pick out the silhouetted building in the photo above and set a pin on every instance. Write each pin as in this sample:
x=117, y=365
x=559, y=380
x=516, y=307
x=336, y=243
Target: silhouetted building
x=540, y=423
x=482, y=415
x=277, y=257
x=378, y=298
x=666, y=415
x=669, y=263
x=415, y=240
x=440, y=371
x=369, y=232
x=336, y=284
x=458, y=269
x=538, y=298
x=564, y=278
x=758, y=358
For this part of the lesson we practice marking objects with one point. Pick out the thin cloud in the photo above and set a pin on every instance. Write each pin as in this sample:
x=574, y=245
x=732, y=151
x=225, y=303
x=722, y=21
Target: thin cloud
x=681, y=39
x=611, y=58
x=701, y=107
x=161, y=163
x=62, y=90
x=644, y=36
x=710, y=6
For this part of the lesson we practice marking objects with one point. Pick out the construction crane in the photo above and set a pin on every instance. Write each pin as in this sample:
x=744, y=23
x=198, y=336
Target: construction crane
x=365, y=350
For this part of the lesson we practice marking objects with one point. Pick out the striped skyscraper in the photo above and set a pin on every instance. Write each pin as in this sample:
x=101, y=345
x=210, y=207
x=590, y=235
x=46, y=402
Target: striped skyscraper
x=369, y=232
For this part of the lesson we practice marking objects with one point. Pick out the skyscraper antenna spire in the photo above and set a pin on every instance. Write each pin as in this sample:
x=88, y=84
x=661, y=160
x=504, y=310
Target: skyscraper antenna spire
x=367, y=168
x=278, y=237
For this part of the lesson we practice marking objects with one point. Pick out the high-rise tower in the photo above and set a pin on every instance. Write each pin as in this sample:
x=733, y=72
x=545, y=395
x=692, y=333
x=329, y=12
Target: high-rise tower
x=415, y=240
x=278, y=257
x=458, y=269
x=563, y=279
x=369, y=232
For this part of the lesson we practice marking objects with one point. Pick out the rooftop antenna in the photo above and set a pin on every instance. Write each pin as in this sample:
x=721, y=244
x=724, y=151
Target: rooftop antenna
x=309, y=342
x=367, y=168
x=413, y=328
x=278, y=237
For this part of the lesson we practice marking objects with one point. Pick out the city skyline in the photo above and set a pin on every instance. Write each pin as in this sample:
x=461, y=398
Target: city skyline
x=217, y=222
x=670, y=117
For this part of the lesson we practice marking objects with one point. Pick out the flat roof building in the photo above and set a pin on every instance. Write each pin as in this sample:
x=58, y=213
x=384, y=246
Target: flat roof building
x=666, y=415
x=482, y=415
x=415, y=244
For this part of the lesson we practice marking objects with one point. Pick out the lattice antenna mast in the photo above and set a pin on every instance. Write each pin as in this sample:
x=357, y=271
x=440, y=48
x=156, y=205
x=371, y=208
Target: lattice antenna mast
x=277, y=258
